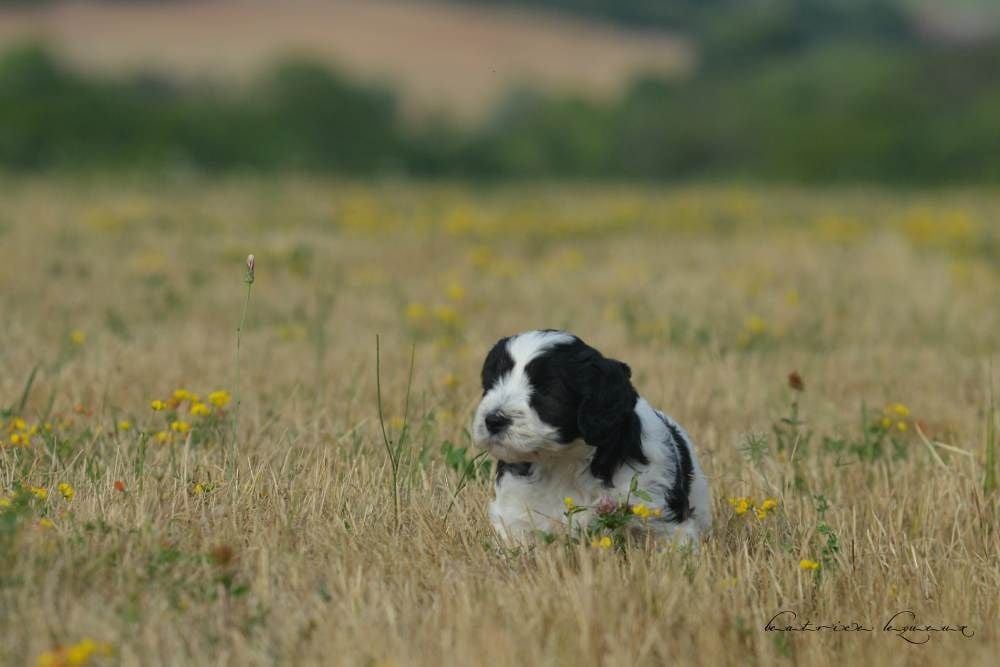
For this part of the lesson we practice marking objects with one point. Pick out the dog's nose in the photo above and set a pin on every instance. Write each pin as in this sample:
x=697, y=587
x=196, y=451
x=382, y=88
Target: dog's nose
x=496, y=421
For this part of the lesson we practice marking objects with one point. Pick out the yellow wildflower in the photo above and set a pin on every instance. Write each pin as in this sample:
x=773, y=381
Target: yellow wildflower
x=754, y=329
x=17, y=439
x=644, y=512
x=124, y=425
x=18, y=424
x=455, y=292
x=39, y=492
x=157, y=405
x=886, y=422
x=198, y=489
x=765, y=508
x=180, y=426
x=185, y=395
x=162, y=437
x=898, y=409
x=755, y=325
x=806, y=564
x=446, y=315
x=46, y=522
x=741, y=505
x=77, y=337
x=67, y=491
x=568, y=502
x=602, y=543
x=79, y=654
x=901, y=426
x=200, y=410
x=76, y=655
x=220, y=398
x=416, y=313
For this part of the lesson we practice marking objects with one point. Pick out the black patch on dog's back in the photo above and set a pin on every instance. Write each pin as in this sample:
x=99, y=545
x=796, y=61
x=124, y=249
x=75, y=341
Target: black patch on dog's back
x=498, y=363
x=678, y=497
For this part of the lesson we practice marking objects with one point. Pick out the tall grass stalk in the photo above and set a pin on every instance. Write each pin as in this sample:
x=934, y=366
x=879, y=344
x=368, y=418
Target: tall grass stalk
x=234, y=445
x=990, y=477
x=393, y=451
x=27, y=390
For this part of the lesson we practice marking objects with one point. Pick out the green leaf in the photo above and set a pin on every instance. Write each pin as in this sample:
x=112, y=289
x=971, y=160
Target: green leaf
x=634, y=484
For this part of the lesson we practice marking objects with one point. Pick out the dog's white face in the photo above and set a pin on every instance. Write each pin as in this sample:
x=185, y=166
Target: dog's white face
x=526, y=411
x=543, y=391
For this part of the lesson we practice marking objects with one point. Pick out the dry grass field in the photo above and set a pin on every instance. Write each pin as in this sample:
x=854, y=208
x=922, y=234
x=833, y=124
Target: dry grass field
x=132, y=536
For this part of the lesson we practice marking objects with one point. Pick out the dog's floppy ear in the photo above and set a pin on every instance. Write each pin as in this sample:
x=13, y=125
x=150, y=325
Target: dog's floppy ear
x=607, y=418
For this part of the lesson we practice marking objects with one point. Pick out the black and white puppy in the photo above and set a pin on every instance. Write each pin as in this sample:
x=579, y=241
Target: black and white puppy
x=562, y=420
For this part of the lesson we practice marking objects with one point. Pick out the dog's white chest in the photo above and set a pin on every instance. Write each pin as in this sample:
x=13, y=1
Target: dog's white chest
x=528, y=503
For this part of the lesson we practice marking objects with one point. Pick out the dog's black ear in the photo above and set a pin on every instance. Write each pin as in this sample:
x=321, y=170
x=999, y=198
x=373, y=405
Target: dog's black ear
x=607, y=418
x=497, y=362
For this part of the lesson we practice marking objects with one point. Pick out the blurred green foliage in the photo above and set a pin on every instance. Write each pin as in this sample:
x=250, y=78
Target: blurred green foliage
x=810, y=91
x=299, y=115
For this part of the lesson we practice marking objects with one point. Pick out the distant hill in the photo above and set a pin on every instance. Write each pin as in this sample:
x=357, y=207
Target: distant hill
x=462, y=58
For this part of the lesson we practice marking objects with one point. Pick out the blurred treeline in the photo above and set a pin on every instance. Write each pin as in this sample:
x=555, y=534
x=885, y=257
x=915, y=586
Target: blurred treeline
x=810, y=90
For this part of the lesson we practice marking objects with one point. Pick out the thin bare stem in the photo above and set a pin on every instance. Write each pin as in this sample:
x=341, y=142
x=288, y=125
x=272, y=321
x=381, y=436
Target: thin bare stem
x=390, y=452
x=234, y=445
